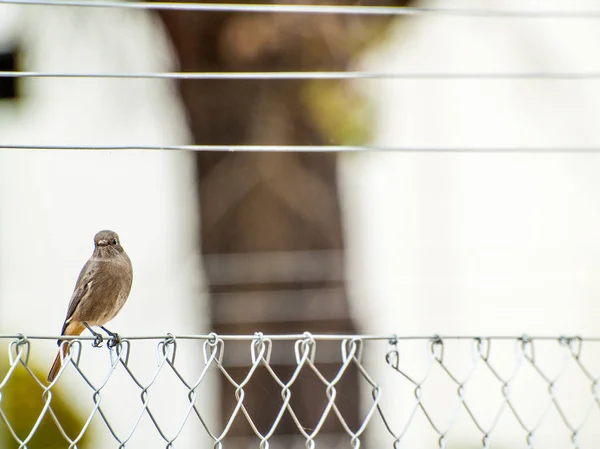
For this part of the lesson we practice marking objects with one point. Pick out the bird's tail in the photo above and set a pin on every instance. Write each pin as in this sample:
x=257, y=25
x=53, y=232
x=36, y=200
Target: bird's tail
x=57, y=364
x=72, y=329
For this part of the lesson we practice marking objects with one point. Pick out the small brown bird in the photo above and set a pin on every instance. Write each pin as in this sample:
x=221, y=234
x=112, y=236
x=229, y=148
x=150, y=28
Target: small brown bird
x=101, y=290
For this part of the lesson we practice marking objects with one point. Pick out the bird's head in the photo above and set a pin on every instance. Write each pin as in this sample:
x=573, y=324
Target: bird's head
x=107, y=242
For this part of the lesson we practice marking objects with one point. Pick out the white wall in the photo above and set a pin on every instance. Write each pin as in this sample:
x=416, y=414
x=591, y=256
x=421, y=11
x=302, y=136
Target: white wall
x=481, y=244
x=52, y=203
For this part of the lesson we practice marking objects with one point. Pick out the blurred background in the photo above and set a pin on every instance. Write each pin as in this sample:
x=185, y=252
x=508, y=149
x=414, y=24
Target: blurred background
x=413, y=243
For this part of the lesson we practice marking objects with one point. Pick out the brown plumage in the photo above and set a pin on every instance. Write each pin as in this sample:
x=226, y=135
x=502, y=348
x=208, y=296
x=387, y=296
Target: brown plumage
x=101, y=290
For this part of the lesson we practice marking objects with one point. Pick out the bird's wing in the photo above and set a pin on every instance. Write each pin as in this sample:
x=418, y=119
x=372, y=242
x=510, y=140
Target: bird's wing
x=81, y=290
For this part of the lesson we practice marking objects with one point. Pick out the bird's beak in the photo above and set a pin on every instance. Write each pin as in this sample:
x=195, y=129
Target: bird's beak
x=102, y=243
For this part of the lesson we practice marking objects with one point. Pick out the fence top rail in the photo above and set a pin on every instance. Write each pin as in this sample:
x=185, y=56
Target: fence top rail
x=308, y=335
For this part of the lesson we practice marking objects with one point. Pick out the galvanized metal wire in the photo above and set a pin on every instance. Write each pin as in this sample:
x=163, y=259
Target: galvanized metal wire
x=390, y=357
x=312, y=148
x=321, y=9
x=313, y=75
x=572, y=12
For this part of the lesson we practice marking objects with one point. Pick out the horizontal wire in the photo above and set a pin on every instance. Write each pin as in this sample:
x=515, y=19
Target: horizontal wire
x=315, y=9
x=305, y=148
x=322, y=337
x=307, y=75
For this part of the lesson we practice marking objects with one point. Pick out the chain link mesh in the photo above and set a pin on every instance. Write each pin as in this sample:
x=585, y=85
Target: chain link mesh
x=416, y=391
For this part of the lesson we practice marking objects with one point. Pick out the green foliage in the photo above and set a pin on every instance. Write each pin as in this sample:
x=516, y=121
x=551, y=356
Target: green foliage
x=22, y=402
x=342, y=115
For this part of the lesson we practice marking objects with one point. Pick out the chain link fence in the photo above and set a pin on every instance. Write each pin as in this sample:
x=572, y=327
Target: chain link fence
x=415, y=391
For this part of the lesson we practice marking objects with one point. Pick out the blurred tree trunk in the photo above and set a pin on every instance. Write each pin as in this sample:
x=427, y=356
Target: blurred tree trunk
x=272, y=235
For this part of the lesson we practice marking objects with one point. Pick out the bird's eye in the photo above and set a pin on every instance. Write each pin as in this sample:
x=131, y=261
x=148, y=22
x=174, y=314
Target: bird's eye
x=114, y=242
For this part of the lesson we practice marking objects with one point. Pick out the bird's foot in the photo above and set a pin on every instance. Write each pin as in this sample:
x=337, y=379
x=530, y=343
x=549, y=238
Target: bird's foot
x=116, y=338
x=98, y=339
x=115, y=341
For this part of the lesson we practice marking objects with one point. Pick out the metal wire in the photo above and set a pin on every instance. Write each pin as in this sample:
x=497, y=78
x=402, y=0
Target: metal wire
x=391, y=358
x=318, y=9
x=312, y=75
x=316, y=337
x=206, y=337
x=308, y=148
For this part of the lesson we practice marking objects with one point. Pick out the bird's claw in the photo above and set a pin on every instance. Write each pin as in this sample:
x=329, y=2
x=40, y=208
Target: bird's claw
x=114, y=341
x=98, y=339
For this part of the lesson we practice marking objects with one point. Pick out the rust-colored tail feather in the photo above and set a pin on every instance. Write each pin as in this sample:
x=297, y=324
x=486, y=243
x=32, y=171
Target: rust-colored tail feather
x=72, y=329
x=56, y=365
